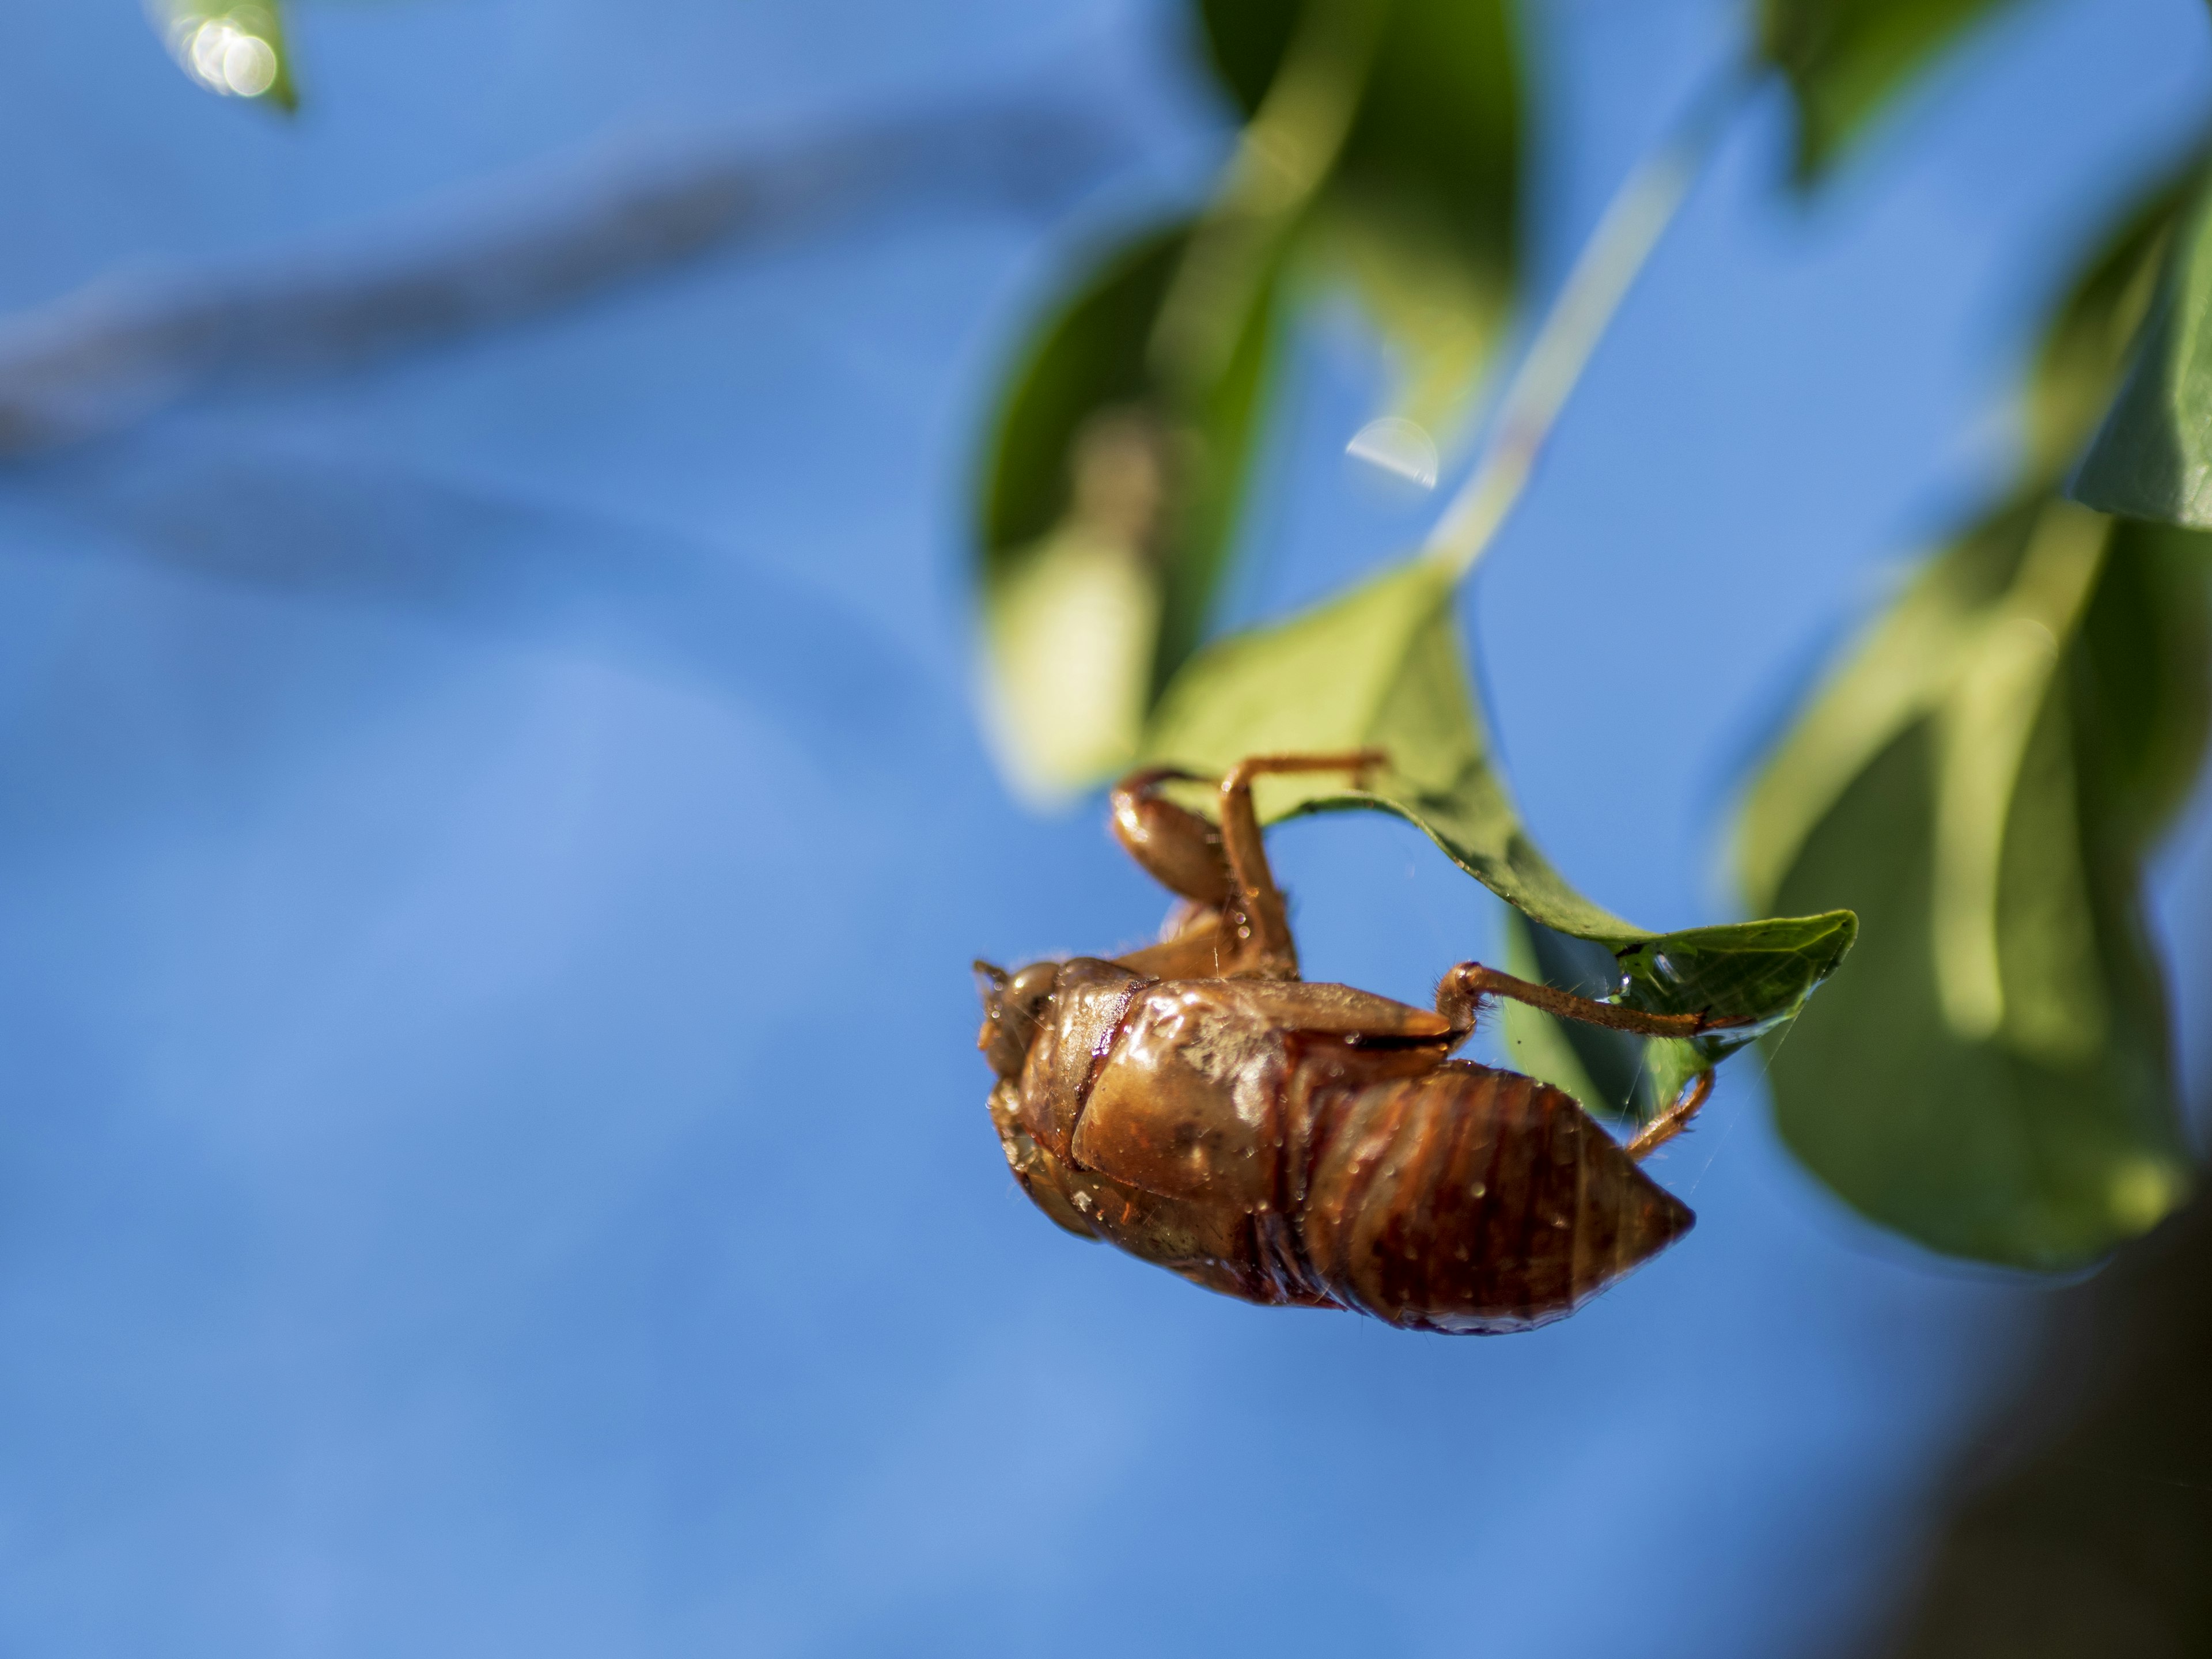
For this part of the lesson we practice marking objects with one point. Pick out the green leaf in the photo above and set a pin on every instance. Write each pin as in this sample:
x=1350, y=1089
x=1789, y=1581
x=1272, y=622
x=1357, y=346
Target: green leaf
x=1420, y=214
x=1437, y=127
x=1982, y=780
x=1988, y=1076
x=2087, y=343
x=235, y=48
x=1383, y=149
x=1106, y=510
x=1846, y=60
x=1381, y=667
x=2153, y=457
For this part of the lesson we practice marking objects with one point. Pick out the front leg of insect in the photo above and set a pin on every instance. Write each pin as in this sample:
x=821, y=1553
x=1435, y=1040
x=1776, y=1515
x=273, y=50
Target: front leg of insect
x=1296, y=1144
x=1232, y=921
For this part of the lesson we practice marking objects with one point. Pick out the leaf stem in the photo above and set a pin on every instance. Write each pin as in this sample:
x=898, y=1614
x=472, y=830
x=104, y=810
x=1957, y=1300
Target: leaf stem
x=1608, y=267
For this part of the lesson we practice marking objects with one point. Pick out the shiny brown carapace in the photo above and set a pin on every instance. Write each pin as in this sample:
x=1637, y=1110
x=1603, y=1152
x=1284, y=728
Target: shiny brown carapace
x=1309, y=1145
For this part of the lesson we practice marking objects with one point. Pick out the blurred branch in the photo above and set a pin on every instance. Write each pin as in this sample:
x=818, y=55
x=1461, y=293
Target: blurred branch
x=484, y=565
x=116, y=351
x=1608, y=267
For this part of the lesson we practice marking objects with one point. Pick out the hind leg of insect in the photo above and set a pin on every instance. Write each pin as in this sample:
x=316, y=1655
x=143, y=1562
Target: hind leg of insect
x=1461, y=995
x=1672, y=1121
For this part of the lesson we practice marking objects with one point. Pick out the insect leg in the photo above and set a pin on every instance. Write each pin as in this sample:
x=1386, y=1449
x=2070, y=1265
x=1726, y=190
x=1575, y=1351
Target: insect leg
x=1672, y=1121
x=1460, y=994
x=1267, y=922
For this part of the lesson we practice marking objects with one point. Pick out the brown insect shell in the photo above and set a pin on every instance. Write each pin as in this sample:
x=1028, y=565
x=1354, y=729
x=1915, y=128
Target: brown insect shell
x=1181, y=1087
x=1074, y=1029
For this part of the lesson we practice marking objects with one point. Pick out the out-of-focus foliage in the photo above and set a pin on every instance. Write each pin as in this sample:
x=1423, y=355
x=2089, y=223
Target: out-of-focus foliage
x=2096, y=1541
x=2153, y=459
x=1380, y=149
x=1991, y=1077
x=1846, y=60
x=1380, y=667
x=1108, y=515
x=1982, y=781
x=1419, y=212
x=235, y=48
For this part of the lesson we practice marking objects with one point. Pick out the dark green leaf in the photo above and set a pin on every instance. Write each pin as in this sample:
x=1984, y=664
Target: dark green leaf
x=1421, y=212
x=2086, y=348
x=1438, y=125
x=2153, y=457
x=1846, y=59
x=233, y=47
x=1106, y=510
x=1988, y=1076
x=1381, y=667
x=1982, y=780
x=2147, y=642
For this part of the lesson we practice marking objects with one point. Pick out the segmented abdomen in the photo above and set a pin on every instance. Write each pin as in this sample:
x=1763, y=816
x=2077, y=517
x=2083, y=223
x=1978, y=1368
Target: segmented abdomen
x=1470, y=1199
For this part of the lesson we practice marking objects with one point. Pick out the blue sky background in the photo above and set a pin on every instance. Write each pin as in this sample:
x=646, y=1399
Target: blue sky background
x=491, y=1159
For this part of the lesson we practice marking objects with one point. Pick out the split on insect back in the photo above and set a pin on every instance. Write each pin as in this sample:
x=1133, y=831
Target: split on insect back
x=1200, y=1105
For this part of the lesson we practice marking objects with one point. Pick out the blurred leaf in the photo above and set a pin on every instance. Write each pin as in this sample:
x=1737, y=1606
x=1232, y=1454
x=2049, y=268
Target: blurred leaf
x=1381, y=667
x=1981, y=780
x=1421, y=213
x=1990, y=1077
x=1109, y=503
x=1072, y=631
x=235, y=48
x=2153, y=457
x=1382, y=147
x=1846, y=59
x=2087, y=345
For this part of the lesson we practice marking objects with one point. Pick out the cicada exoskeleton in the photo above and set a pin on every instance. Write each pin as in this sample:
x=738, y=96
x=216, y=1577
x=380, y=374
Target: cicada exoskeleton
x=1200, y=1105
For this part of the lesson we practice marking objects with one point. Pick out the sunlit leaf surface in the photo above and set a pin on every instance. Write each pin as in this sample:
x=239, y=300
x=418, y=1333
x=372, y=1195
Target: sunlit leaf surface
x=1381, y=667
x=1989, y=1075
x=1846, y=60
x=2025, y=1115
x=1981, y=782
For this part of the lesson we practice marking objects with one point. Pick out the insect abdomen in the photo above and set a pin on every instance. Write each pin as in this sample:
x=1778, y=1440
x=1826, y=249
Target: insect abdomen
x=1472, y=1199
